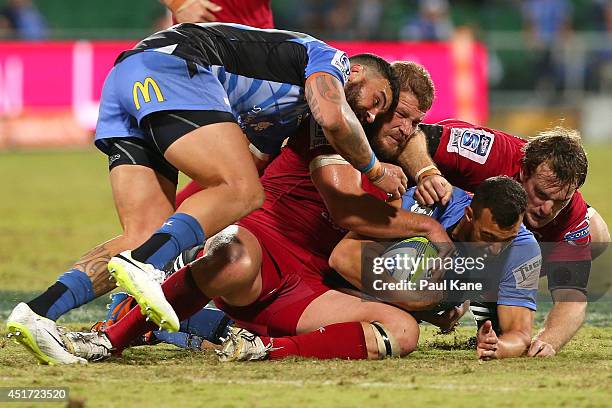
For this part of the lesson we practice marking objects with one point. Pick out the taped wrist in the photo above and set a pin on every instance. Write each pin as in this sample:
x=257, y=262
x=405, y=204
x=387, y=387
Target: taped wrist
x=386, y=342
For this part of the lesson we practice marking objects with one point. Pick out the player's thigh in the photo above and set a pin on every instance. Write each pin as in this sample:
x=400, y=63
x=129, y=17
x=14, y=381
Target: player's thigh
x=600, y=234
x=214, y=154
x=230, y=267
x=336, y=307
x=143, y=187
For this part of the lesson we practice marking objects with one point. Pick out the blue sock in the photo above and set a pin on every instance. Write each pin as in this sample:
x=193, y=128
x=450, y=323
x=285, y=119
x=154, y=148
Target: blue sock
x=79, y=292
x=209, y=324
x=179, y=232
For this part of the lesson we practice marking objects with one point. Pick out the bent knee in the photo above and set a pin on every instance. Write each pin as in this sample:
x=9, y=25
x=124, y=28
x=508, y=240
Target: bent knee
x=230, y=263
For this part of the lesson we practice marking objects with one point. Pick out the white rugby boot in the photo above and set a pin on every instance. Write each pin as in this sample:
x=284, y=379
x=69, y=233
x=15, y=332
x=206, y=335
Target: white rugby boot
x=92, y=346
x=242, y=345
x=143, y=281
x=40, y=336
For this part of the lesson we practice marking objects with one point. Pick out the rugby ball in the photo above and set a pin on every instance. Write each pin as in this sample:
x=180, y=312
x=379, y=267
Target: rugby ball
x=413, y=259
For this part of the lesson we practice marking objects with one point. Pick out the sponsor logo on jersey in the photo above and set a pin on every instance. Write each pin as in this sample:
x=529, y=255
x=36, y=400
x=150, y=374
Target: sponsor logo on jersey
x=474, y=144
x=528, y=273
x=581, y=235
x=421, y=209
x=341, y=61
x=144, y=89
x=261, y=126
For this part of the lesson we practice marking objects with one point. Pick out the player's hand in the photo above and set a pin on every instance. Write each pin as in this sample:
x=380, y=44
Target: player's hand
x=438, y=236
x=433, y=189
x=540, y=348
x=197, y=11
x=486, y=342
x=393, y=181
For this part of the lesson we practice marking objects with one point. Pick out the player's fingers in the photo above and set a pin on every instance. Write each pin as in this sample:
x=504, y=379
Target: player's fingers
x=419, y=197
x=431, y=190
x=427, y=199
x=535, y=348
x=211, y=6
x=547, y=351
x=487, y=346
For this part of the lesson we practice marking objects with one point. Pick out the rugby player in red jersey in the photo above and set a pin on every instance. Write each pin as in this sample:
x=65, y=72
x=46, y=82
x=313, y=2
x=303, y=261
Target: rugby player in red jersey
x=551, y=167
x=256, y=13
x=266, y=271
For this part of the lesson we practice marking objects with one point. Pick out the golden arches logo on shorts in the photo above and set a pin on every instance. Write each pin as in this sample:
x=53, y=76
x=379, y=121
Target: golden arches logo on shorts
x=144, y=89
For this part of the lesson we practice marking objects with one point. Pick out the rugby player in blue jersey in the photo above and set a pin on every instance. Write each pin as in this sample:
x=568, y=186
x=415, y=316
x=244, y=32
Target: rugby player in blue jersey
x=183, y=100
x=491, y=224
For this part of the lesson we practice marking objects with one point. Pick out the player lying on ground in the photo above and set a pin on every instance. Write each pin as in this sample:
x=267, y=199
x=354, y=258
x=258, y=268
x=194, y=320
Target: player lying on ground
x=156, y=121
x=551, y=167
x=295, y=231
x=492, y=223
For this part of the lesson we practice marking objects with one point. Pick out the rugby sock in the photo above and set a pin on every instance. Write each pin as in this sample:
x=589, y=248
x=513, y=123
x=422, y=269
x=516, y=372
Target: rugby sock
x=179, y=232
x=180, y=291
x=340, y=340
x=72, y=289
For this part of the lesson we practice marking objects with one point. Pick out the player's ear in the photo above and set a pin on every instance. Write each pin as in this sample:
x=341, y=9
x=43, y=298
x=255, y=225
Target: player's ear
x=356, y=72
x=469, y=214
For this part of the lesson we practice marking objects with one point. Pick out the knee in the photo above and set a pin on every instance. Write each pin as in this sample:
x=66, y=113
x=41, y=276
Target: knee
x=407, y=335
x=227, y=264
x=396, y=338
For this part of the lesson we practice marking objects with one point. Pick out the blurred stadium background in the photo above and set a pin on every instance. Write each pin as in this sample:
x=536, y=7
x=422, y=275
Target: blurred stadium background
x=516, y=65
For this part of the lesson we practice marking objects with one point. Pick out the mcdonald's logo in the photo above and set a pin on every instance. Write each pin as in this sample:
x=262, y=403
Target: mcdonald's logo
x=144, y=90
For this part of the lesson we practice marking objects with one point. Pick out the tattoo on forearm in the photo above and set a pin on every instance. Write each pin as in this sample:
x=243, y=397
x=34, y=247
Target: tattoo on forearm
x=95, y=265
x=352, y=145
x=328, y=89
x=313, y=103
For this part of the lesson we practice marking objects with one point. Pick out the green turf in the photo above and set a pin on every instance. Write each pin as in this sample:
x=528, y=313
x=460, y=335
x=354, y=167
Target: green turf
x=443, y=372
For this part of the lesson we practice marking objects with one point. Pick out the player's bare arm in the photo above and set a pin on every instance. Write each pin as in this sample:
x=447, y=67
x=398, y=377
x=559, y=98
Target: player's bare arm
x=432, y=187
x=516, y=323
x=341, y=127
x=355, y=210
x=562, y=323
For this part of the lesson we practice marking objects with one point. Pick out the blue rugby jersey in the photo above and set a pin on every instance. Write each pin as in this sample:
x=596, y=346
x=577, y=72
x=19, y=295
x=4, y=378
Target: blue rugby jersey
x=518, y=265
x=262, y=71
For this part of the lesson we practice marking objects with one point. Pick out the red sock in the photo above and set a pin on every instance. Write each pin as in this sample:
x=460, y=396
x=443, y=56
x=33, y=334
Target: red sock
x=340, y=340
x=180, y=291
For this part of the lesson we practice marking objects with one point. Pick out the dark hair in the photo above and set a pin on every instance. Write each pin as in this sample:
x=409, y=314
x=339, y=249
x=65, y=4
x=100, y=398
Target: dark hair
x=414, y=78
x=561, y=149
x=377, y=64
x=504, y=196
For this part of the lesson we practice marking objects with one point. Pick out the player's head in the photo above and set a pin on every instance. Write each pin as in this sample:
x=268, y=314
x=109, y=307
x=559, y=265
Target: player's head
x=390, y=134
x=553, y=168
x=494, y=217
x=372, y=88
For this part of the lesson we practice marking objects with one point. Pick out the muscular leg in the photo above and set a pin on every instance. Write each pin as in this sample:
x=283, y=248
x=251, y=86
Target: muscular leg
x=143, y=200
x=336, y=307
x=229, y=269
x=216, y=156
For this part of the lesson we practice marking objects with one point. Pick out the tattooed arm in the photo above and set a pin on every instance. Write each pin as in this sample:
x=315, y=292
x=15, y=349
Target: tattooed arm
x=325, y=96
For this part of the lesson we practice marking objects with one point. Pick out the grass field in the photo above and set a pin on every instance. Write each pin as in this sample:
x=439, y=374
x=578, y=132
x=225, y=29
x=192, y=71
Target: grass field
x=56, y=205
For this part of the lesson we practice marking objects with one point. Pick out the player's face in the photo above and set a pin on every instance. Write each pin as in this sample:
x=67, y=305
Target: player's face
x=395, y=128
x=369, y=97
x=545, y=197
x=489, y=237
